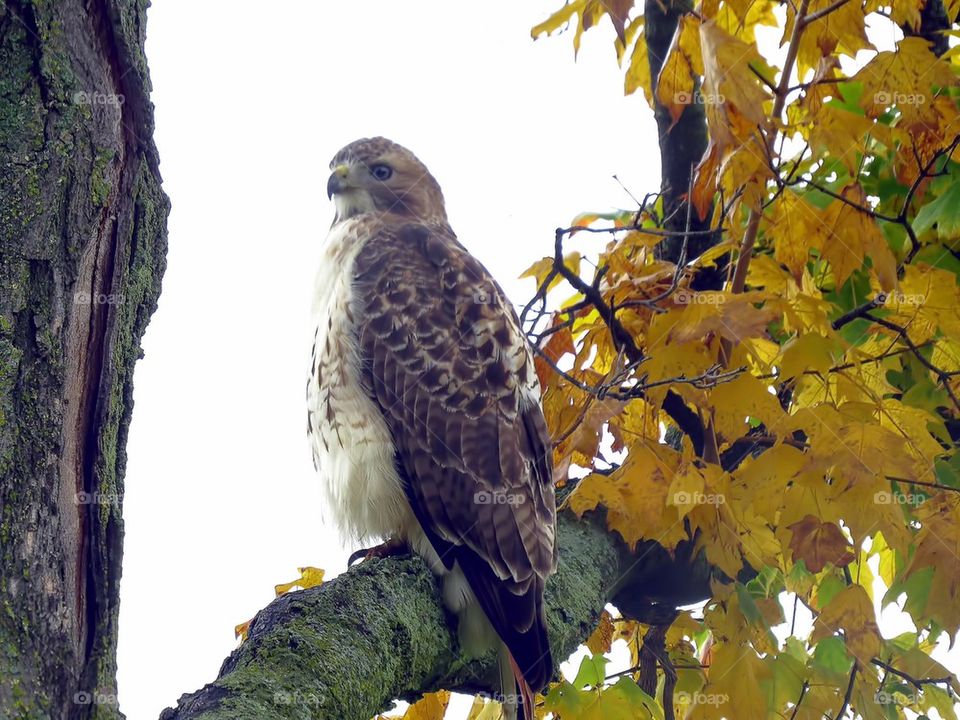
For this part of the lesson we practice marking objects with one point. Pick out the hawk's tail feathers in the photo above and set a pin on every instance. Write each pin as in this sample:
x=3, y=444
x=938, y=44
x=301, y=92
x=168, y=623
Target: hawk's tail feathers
x=514, y=688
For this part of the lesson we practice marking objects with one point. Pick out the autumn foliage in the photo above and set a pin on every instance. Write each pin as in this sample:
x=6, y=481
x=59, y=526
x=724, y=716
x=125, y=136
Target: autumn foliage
x=799, y=422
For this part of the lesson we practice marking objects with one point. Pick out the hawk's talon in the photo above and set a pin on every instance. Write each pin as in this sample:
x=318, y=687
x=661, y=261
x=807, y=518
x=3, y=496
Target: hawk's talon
x=386, y=549
x=356, y=556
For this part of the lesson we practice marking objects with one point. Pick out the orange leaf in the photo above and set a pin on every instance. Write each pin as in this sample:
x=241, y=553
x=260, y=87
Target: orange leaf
x=818, y=544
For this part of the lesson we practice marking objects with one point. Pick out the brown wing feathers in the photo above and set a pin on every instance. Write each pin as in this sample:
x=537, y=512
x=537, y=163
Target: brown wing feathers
x=442, y=356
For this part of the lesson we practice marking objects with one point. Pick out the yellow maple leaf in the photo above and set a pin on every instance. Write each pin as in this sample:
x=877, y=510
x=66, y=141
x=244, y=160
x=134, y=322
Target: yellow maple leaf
x=938, y=546
x=733, y=686
x=851, y=611
x=732, y=316
x=811, y=351
x=483, y=709
x=794, y=228
x=602, y=637
x=719, y=531
x=746, y=397
x=842, y=31
x=735, y=103
x=746, y=170
x=728, y=80
x=741, y=17
x=432, y=706
x=638, y=71
x=760, y=482
x=908, y=78
x=835, y=132
x=854, y=235
x=907, y=12
x=800, y=113
x=590, y=13
x=542, y=268
x=686, y=487
x=635, y=496
x=761, y=547
x=913, y=424
x=931, y=298
x=680, y=69
x=309, y=577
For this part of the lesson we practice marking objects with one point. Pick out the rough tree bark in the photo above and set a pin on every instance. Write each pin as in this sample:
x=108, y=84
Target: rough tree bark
x=82, y=248
x=681, y=144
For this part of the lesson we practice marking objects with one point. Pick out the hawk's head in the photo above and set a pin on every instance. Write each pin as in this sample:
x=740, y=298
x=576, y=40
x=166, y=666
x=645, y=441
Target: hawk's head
x=377, y=175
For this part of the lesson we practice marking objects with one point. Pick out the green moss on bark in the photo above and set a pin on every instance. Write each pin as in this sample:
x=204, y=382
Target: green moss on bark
x=82, y=215
x=379, y=632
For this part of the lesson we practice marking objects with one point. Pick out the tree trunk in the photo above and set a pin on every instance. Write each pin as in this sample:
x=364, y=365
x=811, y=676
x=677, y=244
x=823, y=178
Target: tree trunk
x=82, y=248
x=682, y=145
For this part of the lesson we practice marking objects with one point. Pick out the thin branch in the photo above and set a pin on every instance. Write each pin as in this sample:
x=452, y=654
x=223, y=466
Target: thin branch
x=918, y=683
x=942, y=375
x=673, y=405
x=739, y=278
x=803, y=694
x=709, y=378
x=814, y=16
x=627, y=228
x=753, y=222
x=858, y=312
x=853, y=363
x=848, y=694
x=621, y=337
x=923, y=483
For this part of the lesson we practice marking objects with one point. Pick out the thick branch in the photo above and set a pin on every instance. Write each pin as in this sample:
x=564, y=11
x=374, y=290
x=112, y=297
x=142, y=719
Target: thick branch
x=346, y=649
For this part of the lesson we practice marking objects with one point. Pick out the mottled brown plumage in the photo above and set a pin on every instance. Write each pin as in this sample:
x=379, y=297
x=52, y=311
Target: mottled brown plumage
x=432, y=343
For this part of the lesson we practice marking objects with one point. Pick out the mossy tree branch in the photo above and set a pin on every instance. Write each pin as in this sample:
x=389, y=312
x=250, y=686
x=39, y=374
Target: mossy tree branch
x=346, y=649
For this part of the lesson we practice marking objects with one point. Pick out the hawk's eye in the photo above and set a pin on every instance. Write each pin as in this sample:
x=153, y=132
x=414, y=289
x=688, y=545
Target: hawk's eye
x=381, y=172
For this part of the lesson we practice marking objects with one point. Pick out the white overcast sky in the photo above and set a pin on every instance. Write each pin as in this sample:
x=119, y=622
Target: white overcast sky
x=252, y=101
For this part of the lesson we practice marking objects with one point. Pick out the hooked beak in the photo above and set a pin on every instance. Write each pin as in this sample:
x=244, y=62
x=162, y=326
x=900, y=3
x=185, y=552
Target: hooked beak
x=337, y=182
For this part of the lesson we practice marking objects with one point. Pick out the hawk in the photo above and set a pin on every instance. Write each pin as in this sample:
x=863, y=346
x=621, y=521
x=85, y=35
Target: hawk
x=424, y=409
